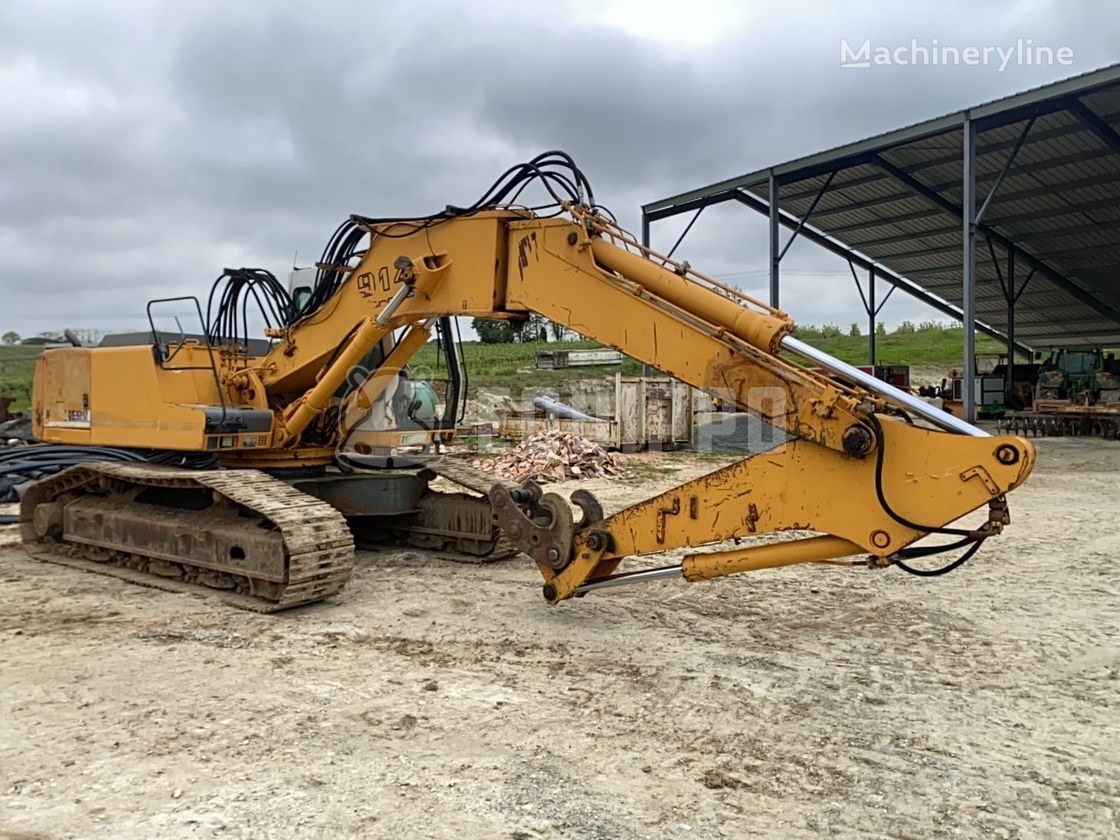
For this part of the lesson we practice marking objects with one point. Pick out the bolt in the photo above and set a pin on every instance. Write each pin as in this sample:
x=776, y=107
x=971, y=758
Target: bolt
x=549, y=592
x=596, y=541
x=553, y=554
x=880, y=539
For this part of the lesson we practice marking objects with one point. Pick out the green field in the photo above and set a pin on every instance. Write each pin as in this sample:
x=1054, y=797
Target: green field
x=513, y=366
x=924, y=346
x=17, y=365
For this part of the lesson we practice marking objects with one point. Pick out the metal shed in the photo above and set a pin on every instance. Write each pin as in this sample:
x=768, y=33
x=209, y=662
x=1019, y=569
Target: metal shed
x=1033, y=260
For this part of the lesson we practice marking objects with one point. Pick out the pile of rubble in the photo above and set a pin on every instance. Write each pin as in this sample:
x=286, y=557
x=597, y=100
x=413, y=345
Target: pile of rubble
x=554, y=456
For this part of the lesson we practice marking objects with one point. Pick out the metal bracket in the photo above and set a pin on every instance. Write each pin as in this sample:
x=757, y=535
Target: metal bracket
x=663, y=514
x=541, y=525
x=982, y=474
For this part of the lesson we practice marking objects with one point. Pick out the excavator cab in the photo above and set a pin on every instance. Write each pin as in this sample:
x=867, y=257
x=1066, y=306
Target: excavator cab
x=418, y=408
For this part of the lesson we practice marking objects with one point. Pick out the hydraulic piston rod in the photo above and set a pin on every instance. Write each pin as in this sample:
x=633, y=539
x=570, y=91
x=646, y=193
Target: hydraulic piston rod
x=371, y=331
x=631, y=577
x=939, y=418
x=768, y=332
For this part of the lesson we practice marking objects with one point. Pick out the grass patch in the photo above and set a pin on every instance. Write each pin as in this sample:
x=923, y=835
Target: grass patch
x=497, y=361
x=924, y=346
x=17, y=367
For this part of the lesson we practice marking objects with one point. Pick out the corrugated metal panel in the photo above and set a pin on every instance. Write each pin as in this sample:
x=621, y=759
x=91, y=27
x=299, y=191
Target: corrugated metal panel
x=1094, y=86
x=1059, y=204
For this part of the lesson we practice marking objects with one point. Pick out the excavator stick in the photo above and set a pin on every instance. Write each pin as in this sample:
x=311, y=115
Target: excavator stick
x=917, y=482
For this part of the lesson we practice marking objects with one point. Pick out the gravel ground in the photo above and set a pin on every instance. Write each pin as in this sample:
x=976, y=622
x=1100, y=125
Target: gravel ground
x=441, y=700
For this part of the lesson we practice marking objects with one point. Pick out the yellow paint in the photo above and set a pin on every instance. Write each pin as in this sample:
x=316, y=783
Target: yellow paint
x=929, y=478
x=590, y=277
x=697, y=567
x=131, y=400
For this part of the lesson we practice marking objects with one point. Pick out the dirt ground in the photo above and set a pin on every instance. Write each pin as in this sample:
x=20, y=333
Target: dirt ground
x=441, y=700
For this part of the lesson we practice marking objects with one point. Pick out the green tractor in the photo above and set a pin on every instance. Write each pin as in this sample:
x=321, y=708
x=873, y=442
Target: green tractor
x=1081, y=375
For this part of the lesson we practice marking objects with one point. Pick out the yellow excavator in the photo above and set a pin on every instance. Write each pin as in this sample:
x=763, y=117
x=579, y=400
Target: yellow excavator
x=314, y=444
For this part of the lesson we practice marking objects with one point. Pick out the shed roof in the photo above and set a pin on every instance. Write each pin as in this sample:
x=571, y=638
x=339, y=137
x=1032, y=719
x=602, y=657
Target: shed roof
x=897, y=198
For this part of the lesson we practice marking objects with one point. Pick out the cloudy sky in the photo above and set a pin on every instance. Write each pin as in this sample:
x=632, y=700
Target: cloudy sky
x=145, y=145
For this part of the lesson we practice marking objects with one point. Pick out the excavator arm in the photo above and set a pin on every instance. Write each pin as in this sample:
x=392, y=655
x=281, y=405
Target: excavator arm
x=856, y=473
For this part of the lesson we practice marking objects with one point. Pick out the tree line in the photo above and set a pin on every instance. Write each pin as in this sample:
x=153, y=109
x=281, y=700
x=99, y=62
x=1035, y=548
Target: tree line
x=536, y=329
x=87, y=336
x=855, y=330
x=539, y=328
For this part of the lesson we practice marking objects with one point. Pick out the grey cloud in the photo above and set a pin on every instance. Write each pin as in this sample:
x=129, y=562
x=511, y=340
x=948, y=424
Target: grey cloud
x=147, y=145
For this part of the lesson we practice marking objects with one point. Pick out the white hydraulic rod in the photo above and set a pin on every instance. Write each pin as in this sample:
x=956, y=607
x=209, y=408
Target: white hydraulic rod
x=941, y=419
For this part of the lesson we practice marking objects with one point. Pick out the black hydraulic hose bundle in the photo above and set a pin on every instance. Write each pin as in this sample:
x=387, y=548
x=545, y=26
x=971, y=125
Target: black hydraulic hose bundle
x=555, y=171
x=23, y=464
x=227, y=308
x=943, y=570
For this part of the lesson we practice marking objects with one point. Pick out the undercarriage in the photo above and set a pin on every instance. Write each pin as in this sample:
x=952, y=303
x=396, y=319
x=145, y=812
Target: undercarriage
x=255, y=540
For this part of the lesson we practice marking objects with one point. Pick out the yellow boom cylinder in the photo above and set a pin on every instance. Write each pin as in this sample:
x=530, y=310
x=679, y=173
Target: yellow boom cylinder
x=372, y=330
x=756, y=328
x=363, y=397
x=318, y=398
x=810, y=550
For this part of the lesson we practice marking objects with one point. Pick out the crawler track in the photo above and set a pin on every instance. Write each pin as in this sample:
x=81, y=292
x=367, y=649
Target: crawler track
x=451, y=526
x=242, y=536
x=258, y=544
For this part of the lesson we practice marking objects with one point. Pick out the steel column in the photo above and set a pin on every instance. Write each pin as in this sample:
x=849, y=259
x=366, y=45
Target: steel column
x=1011, y=298
x=968, y=272
x=868, y=306
x=646, y=369
x=775, y=228
x=896, y=280
x=871, y=312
